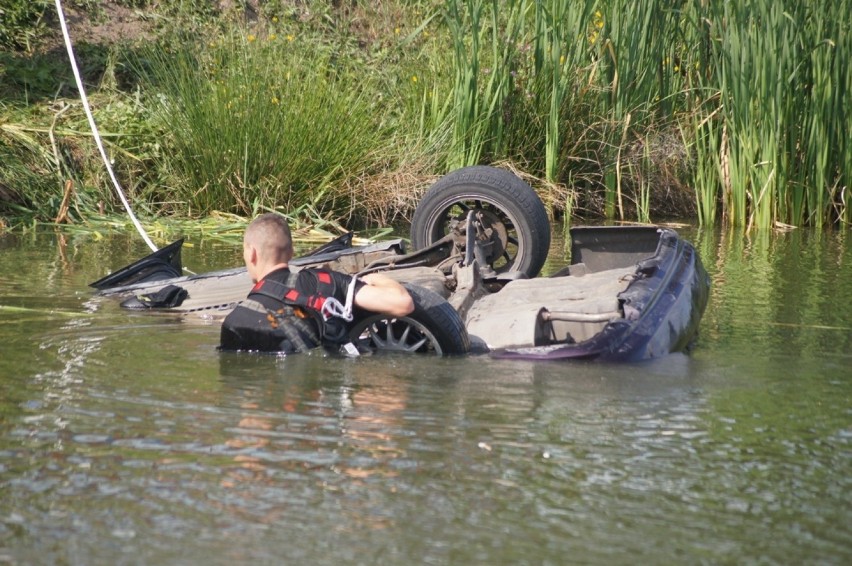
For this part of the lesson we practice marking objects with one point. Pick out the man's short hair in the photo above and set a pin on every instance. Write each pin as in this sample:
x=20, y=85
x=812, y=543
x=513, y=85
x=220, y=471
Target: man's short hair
x=270, y=234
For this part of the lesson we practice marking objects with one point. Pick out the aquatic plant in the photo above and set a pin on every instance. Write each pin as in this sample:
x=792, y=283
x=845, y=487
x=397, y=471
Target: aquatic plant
x=735, y=113
x=778, y=137
x=259, y=120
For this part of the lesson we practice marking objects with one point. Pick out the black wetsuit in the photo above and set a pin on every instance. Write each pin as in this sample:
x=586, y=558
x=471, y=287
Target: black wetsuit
x=266, y=322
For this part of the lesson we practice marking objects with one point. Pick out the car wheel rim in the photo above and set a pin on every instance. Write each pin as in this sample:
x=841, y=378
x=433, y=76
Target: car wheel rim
x=507, y=242
x=384, y=334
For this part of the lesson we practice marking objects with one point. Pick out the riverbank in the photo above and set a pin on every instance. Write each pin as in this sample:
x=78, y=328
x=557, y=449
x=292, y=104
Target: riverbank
x=348, y=112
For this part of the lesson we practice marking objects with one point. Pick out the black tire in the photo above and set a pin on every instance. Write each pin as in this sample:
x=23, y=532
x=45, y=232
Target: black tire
x=433, y=328
x=521, y=227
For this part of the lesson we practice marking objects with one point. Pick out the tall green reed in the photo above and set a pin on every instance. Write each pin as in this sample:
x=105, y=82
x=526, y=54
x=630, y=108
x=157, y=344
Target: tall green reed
x=826, y=116
x=636, y=69
x=561, y=50
x=482, y=78
x=782, y=73
x=700, y=135
x=640, y=171
x=752, y=86
x=424, y=89
x=260, y=121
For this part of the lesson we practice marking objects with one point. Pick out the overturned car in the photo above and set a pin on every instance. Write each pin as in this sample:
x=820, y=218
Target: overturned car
x=480, y=236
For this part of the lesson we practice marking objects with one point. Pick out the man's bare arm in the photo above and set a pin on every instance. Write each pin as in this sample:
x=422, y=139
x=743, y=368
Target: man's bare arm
x=384, y=295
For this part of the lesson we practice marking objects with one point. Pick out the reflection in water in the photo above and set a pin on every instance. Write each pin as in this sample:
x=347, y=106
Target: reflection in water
x=779, y=292
x=118, y=429
x=309, y=412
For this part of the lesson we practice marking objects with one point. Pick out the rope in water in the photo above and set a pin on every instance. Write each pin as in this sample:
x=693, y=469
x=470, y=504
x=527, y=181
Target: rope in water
x=94, y=127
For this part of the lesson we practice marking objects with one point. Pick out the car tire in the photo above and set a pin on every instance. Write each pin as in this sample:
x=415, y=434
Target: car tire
x=434, y=327
x=514, y=210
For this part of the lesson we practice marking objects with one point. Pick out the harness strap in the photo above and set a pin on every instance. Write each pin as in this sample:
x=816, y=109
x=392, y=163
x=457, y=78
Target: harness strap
x=330, y=314
x=288, y=293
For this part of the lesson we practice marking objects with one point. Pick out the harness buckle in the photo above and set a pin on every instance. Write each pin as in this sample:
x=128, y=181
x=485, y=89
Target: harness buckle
x=334, y=308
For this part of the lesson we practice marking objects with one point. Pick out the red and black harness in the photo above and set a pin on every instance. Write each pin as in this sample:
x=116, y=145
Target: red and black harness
x=332, y=330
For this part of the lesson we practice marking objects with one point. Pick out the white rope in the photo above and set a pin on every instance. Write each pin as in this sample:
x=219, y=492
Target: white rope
x=94, y=127
x=333, y=307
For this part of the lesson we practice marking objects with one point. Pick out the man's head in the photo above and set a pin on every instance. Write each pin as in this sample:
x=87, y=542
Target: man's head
x=267, y=243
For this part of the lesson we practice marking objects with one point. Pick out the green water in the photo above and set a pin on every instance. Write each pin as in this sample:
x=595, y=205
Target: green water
x=127, y=439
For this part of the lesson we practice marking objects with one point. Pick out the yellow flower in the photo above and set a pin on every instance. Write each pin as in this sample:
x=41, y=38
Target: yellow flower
x=396, y=31
x=272, y=37
x=414, y=78
x=562, y=59
x=290, y=37
x=251, y=37
x=274, y=100
x=275, y=19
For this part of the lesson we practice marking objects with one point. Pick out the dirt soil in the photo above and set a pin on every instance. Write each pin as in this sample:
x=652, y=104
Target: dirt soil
x=114, y=23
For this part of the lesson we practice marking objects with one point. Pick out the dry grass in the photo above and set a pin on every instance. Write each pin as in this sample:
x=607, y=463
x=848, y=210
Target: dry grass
x=390, y=196
x=557, y=197
x=660, y=162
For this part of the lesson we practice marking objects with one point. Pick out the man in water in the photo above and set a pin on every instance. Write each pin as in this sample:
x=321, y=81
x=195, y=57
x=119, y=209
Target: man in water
x=283, y=311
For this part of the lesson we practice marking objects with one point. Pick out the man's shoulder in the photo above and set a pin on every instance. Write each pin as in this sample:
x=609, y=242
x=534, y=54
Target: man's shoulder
x=324, y=281
x=324, y=274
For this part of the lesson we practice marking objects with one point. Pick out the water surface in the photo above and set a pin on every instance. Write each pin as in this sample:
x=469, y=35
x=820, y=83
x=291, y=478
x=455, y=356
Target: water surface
x=126, y=438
